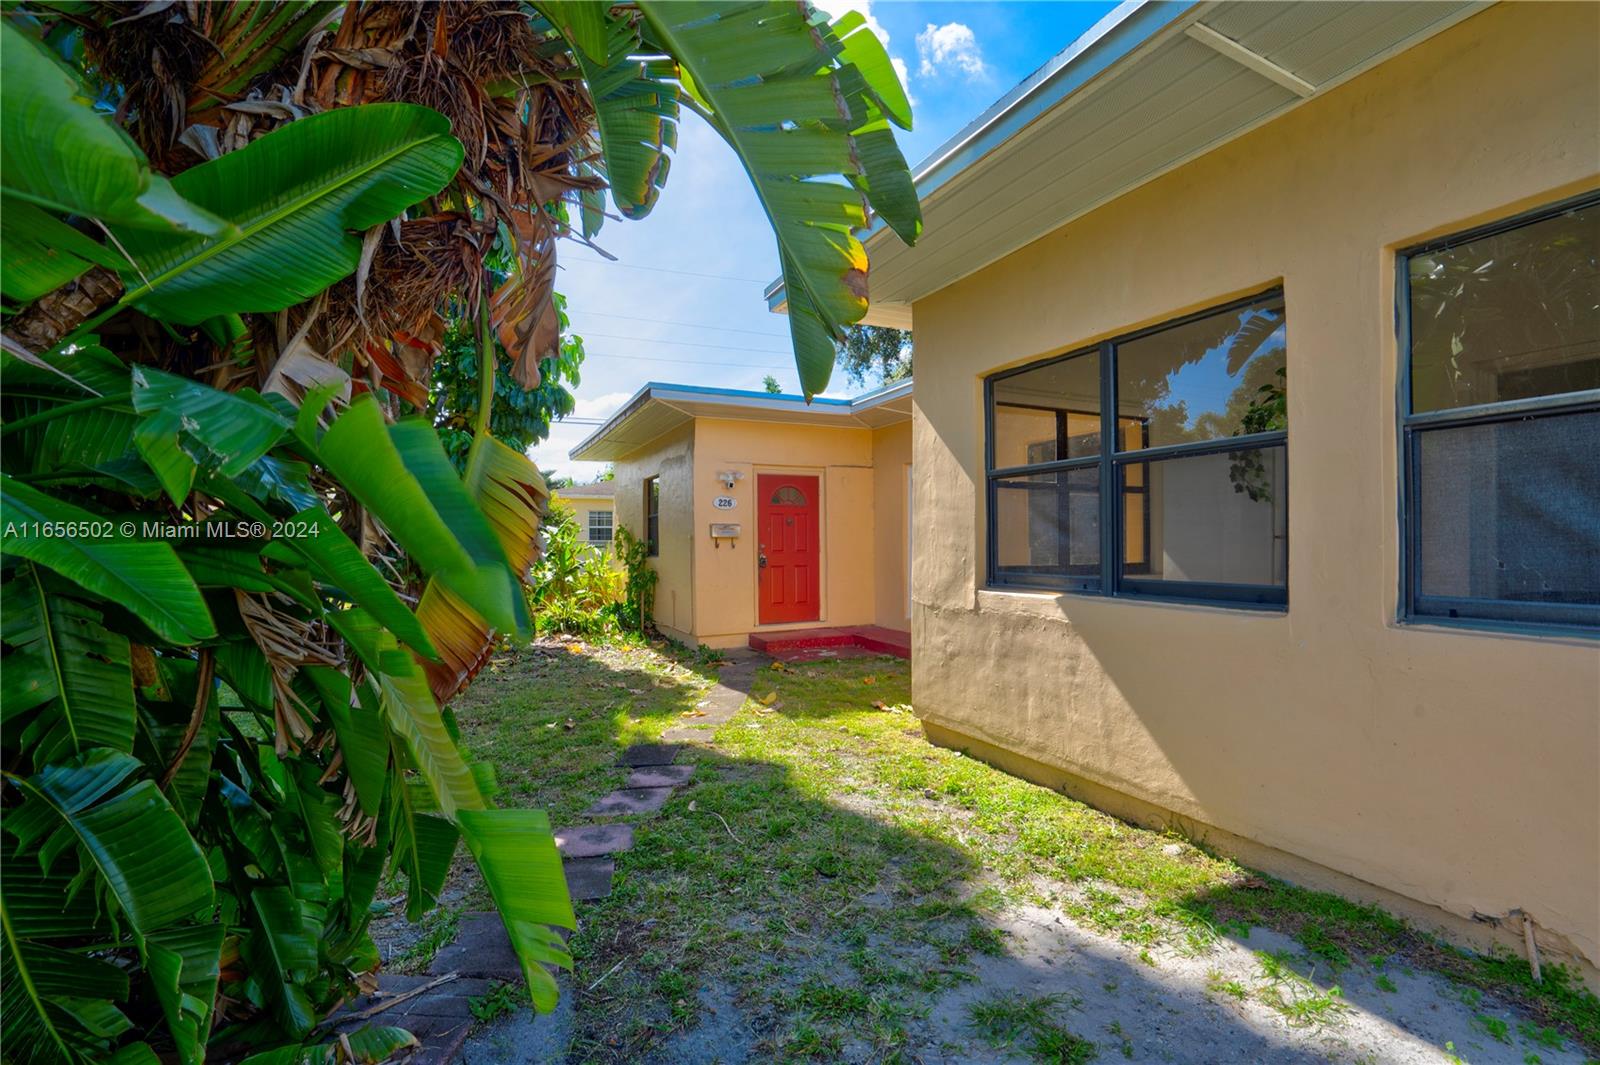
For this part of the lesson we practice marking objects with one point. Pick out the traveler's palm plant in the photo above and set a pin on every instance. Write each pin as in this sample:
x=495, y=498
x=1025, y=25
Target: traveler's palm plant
x=241, y=578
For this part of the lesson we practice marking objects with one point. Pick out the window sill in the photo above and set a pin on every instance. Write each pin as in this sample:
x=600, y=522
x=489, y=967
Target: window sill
x=1058, y=605
x=1574, y=635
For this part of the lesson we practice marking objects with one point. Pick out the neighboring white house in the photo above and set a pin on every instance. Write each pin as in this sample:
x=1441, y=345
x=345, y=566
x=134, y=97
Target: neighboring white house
x=593, y=509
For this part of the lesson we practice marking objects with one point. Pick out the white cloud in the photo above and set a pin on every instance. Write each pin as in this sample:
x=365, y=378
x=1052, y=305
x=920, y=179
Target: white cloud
x=865, y=7
x=599, y=406
x=905, y=76
x=551, y=452
x=839, y=7
x=952, y=46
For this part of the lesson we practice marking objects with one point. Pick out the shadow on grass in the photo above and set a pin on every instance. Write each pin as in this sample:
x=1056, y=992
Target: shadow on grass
x=767, y=915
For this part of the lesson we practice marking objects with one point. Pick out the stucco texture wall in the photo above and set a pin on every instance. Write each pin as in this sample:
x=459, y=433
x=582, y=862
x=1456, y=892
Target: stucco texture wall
x=891, y=463
x=1454, y=768
x=670, y=458
x=841, y=459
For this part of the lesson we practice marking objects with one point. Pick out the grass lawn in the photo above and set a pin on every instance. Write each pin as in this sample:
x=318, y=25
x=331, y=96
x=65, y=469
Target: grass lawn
x=832, y=887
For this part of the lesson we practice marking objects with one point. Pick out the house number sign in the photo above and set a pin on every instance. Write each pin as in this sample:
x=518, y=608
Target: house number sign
x=724, y=502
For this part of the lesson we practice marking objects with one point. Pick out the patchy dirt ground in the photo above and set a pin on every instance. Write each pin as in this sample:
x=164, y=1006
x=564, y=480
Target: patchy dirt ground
x=829, y=887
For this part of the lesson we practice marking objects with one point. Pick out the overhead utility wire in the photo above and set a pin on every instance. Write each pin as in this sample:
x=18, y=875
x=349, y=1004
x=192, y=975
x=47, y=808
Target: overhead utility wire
x=681, y=362
x=665, y=270
x=687, y=325
x=687, y=343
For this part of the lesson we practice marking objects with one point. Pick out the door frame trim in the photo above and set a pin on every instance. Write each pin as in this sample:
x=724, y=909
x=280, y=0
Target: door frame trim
x=821, y=474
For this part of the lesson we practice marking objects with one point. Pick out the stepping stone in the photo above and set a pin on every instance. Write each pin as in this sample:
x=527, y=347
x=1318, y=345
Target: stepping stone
x=440, y=1018
x=650, y=754
x=660, y=776
x=629, y=801
x=700, y=733
x=481, y=949
x=594, y=841
x=589, y=878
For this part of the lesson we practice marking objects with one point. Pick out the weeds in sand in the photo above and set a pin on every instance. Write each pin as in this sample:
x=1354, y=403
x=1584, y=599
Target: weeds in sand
x=1029, y=1024
x=1545, y=1037
x=1218, y=984
x=1495, y=1027
x=1293, y=996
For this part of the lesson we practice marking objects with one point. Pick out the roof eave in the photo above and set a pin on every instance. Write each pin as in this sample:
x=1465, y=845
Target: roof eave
x=1117, y=35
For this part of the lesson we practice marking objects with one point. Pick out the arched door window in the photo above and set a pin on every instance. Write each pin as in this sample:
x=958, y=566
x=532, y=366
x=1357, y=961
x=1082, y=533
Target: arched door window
x=788, y=496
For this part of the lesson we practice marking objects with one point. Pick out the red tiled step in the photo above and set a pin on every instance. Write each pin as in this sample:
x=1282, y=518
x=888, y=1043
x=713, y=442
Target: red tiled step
x=871, y=637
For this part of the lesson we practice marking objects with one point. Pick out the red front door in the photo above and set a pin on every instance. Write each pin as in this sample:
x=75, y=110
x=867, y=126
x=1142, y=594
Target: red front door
x=786, y=517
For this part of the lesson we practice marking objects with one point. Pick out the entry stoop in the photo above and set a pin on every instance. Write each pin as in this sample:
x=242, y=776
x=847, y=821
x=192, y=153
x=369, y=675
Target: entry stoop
x=810, y=643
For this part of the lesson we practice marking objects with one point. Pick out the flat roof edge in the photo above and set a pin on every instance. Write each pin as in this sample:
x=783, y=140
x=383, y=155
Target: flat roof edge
x=737, y=399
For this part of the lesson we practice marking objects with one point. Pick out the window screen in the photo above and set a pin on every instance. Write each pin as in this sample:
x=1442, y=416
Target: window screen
x=1501, y=422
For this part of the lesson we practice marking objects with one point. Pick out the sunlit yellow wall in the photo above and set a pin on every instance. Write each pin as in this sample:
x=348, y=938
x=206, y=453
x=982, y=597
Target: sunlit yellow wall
x=1453, y=769
x=671, y=458
x=891, y=462
x=842, y=461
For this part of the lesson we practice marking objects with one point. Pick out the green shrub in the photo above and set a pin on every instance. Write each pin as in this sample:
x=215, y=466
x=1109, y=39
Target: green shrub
x=577, y=588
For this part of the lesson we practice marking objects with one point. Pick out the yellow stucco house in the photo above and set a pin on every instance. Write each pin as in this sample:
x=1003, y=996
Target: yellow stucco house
x=773, y=522
x=593, y=508
x=1256, y=437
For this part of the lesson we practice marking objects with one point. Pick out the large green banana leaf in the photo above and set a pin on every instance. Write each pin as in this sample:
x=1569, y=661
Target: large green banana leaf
x=516, y=852
x=133, y=836
x=182, y=964
x=183, y=423
x=58, y=153
x=144, y=577
x=801, y=108
x=409, y=707
x=298, y=200
x=425, y=845
x=41, y=252
x=401, y=474
x=635, y=100
x=66, y=659
x=585, y=24
x=56, y=1004
x=508, y=488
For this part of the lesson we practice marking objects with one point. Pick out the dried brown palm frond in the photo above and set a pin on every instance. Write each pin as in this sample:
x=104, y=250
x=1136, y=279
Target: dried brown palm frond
x=288, y=642
x=154, y=52
x=46, y=320
x=527, y=124
x=523, y=310
x=409, y=277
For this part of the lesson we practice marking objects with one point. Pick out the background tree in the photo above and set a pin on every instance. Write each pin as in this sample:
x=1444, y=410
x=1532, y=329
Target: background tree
x=519, y=417
x=771, y=384
x=875, y=354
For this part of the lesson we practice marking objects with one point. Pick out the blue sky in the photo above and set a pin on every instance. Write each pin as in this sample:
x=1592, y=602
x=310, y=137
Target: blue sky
x=683, y=302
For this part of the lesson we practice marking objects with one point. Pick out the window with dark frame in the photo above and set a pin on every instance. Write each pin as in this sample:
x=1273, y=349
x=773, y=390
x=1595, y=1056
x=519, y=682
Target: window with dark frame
x=652, y=516
x=1153, y=464
x=600, y=524
x=1500, y=422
